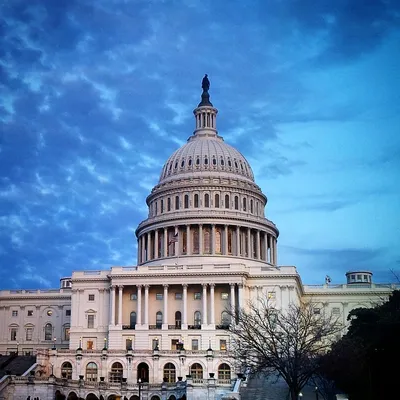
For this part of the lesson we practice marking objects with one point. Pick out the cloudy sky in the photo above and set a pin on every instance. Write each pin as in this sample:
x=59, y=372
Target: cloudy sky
x=95, y=95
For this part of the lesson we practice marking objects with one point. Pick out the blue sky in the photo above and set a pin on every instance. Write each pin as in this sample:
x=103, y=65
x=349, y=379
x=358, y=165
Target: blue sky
x=95, y=95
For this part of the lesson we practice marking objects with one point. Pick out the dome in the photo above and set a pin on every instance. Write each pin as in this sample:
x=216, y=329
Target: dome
x=208, y=154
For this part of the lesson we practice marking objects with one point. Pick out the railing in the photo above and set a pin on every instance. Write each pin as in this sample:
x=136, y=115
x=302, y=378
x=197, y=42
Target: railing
x=198, y=381
x=224, y=381
x=222, y=326
x=128, y=326
x=194, y=326
x=174, y=327
x=157, y=326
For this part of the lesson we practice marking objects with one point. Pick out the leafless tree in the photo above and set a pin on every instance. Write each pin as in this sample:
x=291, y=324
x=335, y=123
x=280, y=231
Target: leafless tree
x=284, y=342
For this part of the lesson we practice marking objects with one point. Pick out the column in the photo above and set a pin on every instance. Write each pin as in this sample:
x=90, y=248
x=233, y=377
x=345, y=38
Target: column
x=165, y=242
x=275, y=252
x=139, y=252
x=184, y=299
x=156, y=243
x=146, y=305
x=238, y=241
x=148, y=246
x=176, y=244
x=225, y=240
x=188, y=241
x=240, y=296
x=204, y=319
x=143, y=248
x=213, y=239
x=271, y=251
x=112, y=305
x=249, y=252
x=233, y=306
x=258, y=245
x=120, y=288
x=165, y=311
x=212, y=303
x=201, y=239
x=139, y=305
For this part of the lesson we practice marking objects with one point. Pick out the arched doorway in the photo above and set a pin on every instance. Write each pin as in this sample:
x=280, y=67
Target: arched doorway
x=143, y=372
x=134, y=397
x=155, y=397
x=72, y=396
x=91, y=396
x=59, y=396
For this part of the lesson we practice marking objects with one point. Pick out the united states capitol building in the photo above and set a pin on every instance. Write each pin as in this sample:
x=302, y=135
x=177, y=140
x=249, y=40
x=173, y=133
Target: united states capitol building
x=158, y=329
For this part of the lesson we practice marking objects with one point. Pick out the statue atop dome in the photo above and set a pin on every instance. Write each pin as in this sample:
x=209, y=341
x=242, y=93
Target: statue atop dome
x=205, y=83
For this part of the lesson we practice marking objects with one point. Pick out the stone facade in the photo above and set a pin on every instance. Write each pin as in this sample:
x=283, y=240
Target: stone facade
x=158, y=327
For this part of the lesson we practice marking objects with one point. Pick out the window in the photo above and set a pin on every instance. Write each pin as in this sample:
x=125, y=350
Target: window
x=207, y=241
x=207, y=200
x=89, y=344
x=176, y=202
x=197, y=318
x=128, y=344
x=159, y=319
x=133, y=296
x=169, y=373
x=196, y=248
x=251, y=206
x=14, y=313
x=244, y=204
x=224, y=296
x=186, y=201
x=66, y=370
x=116, y=372
x=224, y=372
x=30, y=313
x=335, y=311
x=91, y=297
x=178, y=296
x=226, y=201
x=132, y=320
x=196, y=370
x=225, y=318
x=178, y=320
x=159, y=296
x=28, y=334
x=169, y=204
x=66, y=332
x=13, y=333
x=365, y=278
x=90, y=321
x=196, y=201
x=91, y=372
x=162, y=206
x=195, y=344
x=197, y=296
x=174, y=344
x=216, y=201
x=49, y=313
x=222, y=344
x=154, y=344
x=236, y=203
x=67, y=313
x=353, y=277
x=48, y=331
x=317, y=311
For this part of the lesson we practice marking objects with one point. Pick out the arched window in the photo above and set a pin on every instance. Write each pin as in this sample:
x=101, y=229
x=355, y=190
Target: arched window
x=196, y=201
x=176, y=202
x=169, y=373
x=91, y=372
x=236, y=203
x=196, y=370
x=169, y=204
x=178, y=320
x=230, y=234
x=197, y=318
x=216, y=201
x=251, y=206
x=66, y=330
x=48, y=332
x=186, y=201
x=161, y=206
x=116, y=372
x=132, y=320
x=225, y=318
x=217, y=241
x=224, y=372
x=156, y=208
x=66, y=370
x=159, y=320
x=244, y=204
x=227, y=201
x=207, y=200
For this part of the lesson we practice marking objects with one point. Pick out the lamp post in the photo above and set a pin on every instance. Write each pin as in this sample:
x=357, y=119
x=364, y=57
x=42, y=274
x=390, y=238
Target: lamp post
x=140, y=388
x=54, y=343
x=316, y=393
x=17, y=346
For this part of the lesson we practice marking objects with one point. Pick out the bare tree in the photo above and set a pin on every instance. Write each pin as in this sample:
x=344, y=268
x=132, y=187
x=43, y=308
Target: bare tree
x=285, y=342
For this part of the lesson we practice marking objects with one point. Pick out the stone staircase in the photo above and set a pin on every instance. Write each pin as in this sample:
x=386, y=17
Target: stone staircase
x=262, y=388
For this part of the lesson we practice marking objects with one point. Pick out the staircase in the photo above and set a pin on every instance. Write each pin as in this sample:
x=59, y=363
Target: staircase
x=262, y=388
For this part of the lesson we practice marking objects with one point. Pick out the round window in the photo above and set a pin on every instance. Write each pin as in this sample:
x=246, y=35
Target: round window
x=49, y=313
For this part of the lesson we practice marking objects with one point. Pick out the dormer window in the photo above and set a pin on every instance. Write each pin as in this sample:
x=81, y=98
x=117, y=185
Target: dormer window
x=183, y=163
x=205, y=161
x=190, y=162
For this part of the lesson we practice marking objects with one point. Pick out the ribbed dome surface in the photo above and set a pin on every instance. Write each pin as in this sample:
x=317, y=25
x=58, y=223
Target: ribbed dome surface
x=206, y=153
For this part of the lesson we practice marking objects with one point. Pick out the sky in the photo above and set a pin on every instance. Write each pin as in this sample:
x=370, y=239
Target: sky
x=95, y=96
